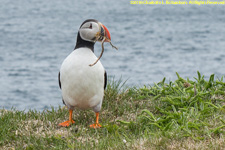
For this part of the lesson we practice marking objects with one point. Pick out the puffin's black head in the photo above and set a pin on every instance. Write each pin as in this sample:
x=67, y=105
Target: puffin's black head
x=91, y=31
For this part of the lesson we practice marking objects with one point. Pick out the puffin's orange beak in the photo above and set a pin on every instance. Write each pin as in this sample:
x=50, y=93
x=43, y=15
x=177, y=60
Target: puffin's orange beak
x=103, y=33
x=107, y=34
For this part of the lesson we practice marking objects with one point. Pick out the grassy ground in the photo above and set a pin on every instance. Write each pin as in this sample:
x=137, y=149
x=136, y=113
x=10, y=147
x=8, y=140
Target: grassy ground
x=183, y=114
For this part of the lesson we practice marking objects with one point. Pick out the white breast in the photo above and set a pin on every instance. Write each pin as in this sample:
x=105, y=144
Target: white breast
x=82, y=86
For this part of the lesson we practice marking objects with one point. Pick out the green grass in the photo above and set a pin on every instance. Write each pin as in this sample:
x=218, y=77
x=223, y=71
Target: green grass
x=184, y=114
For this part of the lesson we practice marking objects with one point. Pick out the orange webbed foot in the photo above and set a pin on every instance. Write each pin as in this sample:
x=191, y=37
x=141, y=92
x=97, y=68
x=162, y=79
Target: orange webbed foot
x=66, y=123
x=95, y=125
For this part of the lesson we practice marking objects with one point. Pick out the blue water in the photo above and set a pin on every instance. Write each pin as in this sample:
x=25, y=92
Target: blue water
x=154, y=41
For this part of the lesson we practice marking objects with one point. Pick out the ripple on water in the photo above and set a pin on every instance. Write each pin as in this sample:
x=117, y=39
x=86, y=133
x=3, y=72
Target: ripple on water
x=20, y=72
x=220, y=58
x=21, y=92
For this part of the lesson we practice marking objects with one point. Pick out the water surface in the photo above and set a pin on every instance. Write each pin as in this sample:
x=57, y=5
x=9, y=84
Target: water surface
x=154, y=41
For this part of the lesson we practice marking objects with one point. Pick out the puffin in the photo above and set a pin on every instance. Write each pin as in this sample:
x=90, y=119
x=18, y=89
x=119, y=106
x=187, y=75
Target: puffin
x=83, y=85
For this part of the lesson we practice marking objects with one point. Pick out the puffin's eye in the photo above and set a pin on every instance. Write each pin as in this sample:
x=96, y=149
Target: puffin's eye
x=90, y=26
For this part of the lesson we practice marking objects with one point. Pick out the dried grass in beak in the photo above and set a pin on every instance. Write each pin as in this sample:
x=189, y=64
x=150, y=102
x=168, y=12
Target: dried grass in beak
x=103, y=40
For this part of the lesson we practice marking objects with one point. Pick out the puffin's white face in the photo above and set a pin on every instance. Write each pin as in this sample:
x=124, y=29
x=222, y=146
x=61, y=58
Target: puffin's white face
x=94, y=31
x=89, y=30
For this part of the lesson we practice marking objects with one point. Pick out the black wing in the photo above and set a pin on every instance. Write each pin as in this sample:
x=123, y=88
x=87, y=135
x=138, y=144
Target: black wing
x=60, y=86
x=105, y=82
x=59, y=80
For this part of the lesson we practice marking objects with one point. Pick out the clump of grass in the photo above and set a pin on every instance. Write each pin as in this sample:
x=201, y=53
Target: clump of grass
x=183, y=114
x=183, y=108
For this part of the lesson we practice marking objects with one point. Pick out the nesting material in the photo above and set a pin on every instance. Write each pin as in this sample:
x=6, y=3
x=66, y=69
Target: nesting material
x=103, y=51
